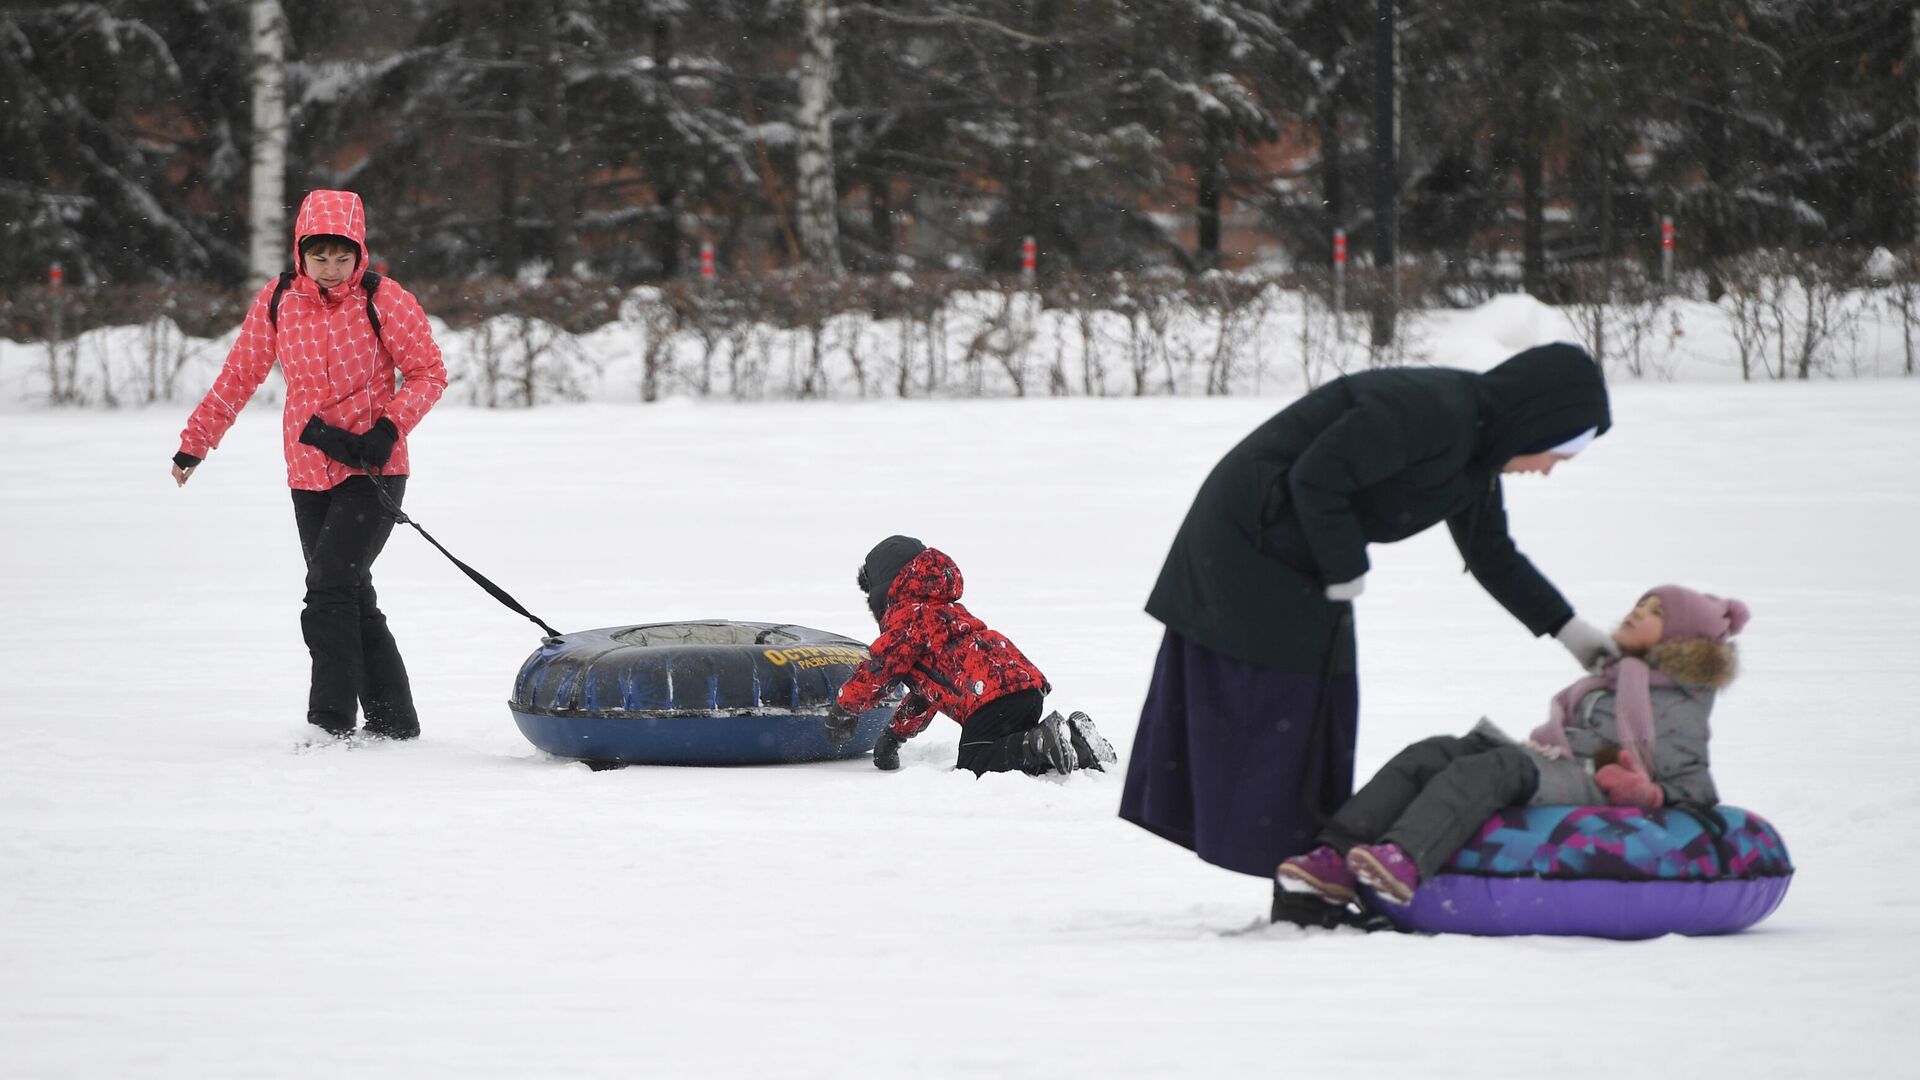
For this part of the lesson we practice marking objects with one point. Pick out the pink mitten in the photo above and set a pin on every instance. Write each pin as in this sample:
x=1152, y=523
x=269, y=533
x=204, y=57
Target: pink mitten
x=1626, y=785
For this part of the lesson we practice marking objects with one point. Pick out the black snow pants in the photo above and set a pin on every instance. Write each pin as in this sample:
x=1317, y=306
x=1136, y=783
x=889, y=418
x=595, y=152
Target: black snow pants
x=355, y=659
x=1433, y=796
x=994, y=738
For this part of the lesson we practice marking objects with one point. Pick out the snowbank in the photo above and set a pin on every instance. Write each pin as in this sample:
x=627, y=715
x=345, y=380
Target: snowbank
x=999, y=344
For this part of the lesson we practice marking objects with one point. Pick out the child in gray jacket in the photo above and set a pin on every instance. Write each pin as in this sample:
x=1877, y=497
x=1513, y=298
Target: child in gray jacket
x=1633, y=735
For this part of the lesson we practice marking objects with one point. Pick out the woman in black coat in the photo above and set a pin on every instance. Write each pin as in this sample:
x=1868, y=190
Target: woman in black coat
x=1248, y=729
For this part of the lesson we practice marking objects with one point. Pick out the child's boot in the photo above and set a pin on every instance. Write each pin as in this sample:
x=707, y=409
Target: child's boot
x=1321, y=872
x=1386, y=870
x=1092, y=748
x=1049, y=747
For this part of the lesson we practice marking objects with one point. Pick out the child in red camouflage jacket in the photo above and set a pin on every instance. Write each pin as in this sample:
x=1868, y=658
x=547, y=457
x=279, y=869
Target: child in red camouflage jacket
x=951, y=662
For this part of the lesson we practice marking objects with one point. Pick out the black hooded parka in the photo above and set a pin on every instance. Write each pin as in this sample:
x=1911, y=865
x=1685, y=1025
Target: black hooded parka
x=1372, y=457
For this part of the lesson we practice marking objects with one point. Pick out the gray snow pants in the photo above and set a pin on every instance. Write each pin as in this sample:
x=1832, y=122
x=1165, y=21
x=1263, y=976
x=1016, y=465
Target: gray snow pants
x=1433, y=796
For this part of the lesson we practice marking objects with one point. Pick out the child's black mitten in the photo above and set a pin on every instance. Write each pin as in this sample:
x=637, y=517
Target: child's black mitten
x=841, y=724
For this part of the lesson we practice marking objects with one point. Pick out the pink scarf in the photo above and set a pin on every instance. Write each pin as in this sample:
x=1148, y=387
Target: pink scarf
x=1632, y=682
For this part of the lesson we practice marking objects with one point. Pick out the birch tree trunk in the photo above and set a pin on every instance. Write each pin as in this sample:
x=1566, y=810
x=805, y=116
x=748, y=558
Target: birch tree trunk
x=817, y=214
x=267, y=239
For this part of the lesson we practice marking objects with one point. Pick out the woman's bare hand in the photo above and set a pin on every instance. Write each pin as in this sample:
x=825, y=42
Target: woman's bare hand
x=181, y=476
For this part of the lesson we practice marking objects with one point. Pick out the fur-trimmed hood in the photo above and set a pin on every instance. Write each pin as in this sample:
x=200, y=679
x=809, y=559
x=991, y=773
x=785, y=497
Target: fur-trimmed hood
x=1698, y=662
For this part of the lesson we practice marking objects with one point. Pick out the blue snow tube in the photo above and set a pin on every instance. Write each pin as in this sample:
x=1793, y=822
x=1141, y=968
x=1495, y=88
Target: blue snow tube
x=691, y=693
x=1606, y=871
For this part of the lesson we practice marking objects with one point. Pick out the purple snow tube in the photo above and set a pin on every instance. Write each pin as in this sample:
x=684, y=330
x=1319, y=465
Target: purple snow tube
x=1608, y=871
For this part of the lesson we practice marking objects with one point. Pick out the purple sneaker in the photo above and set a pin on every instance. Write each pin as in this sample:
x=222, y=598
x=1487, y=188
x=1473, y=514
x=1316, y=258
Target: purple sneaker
x=1320, y=872
x=1386, y=870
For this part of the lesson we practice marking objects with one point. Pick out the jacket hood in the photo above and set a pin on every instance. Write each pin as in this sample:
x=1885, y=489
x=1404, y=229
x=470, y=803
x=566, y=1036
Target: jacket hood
x=1540, y=397
x=932, y=577
x=336, y=213
x=1696, y=662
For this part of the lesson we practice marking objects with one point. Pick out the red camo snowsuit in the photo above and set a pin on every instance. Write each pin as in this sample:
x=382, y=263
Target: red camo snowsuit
x=950, y=660
x=334, y=365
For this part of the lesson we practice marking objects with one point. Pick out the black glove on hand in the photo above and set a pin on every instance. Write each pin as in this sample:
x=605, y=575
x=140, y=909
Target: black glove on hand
x=368, y=451
x=841, y=724
x=376, y=446
x=336, y=443
x=886, y=752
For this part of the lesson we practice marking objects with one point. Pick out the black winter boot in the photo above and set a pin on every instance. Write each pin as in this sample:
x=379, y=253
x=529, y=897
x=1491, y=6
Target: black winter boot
x=1303, y=910
x=391, y=722
x=1089, y=746
x=330, y=722
x=1049, y=747
x=386, y=696
x=1307, y=910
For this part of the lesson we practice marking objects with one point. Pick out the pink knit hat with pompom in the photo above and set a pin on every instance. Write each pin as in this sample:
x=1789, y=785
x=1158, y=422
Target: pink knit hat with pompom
x=1690, y=615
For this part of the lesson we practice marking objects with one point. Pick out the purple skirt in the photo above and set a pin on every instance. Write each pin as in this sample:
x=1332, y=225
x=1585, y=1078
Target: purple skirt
x=1240, y=763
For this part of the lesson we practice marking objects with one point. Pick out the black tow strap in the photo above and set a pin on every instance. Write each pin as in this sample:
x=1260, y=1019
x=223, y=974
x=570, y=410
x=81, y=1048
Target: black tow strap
x=479, y=579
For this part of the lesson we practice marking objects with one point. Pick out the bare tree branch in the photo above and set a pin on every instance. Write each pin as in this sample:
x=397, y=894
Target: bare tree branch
x=951, y=18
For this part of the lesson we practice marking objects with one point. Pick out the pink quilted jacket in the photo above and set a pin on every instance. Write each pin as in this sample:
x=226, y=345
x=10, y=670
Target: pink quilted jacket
x=335, y=366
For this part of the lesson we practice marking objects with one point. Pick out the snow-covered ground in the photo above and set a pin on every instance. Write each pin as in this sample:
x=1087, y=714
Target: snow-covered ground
x=183, y=895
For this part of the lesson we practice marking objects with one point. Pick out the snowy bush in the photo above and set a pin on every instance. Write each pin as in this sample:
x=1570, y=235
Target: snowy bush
x=1623, y=317
x=1793, y=316
x=796, y=337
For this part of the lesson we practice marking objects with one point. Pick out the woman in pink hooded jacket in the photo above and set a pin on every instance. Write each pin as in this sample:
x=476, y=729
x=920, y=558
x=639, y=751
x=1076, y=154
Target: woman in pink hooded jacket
x=339, y=334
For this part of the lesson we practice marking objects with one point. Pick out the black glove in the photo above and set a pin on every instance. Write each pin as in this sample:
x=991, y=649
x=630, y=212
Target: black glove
x=841, y=724
x=368, y=451
x=336, y=443
x=886, y=752
x=376, y=446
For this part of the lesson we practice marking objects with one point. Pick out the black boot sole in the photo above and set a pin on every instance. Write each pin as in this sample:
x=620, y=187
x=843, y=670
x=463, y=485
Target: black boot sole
x=1308, y=911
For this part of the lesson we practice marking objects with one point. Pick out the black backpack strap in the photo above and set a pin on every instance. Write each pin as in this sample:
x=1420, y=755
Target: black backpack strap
x=370, y=281
x=279, y=290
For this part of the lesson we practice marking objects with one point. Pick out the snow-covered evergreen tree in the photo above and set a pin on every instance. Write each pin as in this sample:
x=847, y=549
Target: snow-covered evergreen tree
x=1317, y=57
x=511, y=137
x=1046, y=128
x=1198, y=67
x=123, y=141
